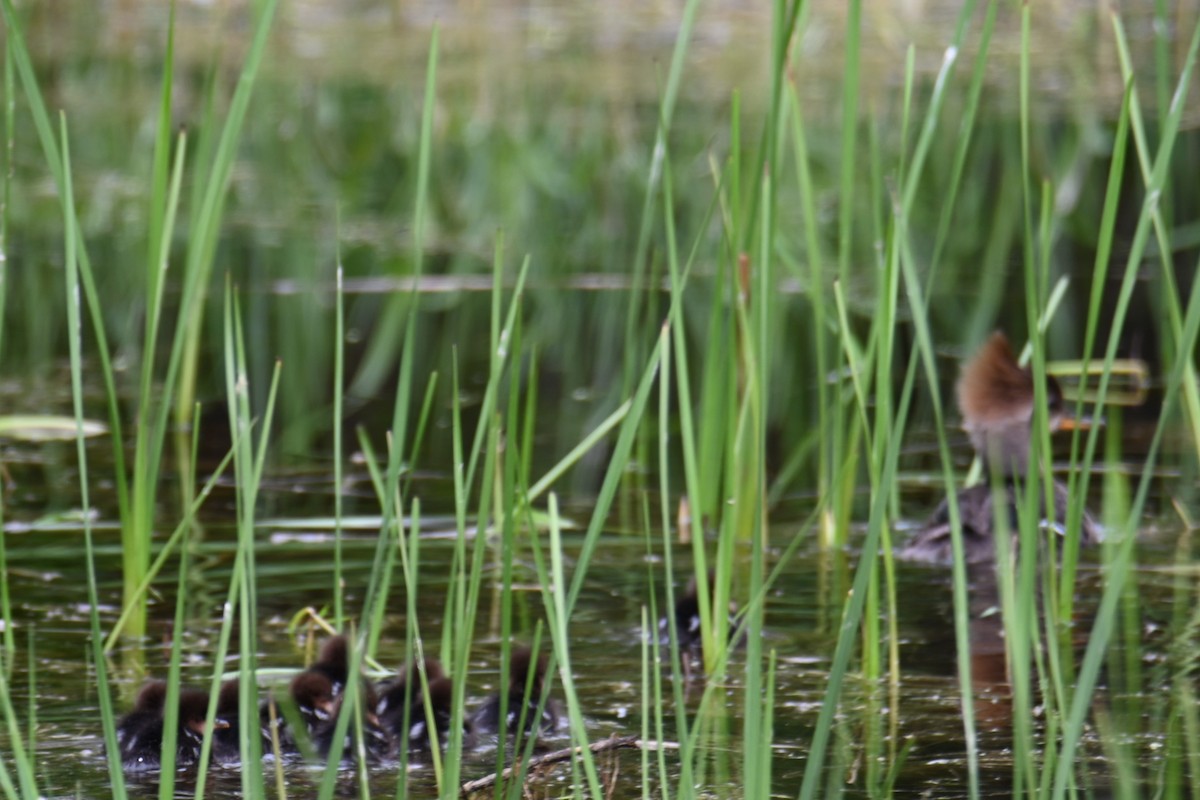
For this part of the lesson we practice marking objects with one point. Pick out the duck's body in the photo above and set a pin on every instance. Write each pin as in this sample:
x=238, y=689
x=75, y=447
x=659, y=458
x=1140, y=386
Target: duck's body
x=334, y=662
x=313, y=694
x=227, y=748
x=524, y=672
x=687, y=616
x=976, y=508
x=318, y=693
x=377, y=744
x=436, y=703
x=996, y=398
x=140, y=732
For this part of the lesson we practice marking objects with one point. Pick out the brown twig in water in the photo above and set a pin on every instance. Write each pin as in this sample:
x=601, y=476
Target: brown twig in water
x=609, y=744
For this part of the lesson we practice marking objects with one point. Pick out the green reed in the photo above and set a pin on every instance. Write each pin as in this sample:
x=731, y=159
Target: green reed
x=654, y=704
x=558, y=618
x=74, y=312
x=166, y=785
x=1018, y=585
x=514, y=473
x=394, y=536
x=1178, y=383
x=740, y=459
x=1078, y=481
x=393, y=539
x=716, y=433
x=21, y=755
x=339, y=378
x=727, y=399
x=137, y=493
x=5, y=203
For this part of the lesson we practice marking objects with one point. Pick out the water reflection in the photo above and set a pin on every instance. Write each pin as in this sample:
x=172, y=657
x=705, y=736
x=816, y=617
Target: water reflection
x=607, y=649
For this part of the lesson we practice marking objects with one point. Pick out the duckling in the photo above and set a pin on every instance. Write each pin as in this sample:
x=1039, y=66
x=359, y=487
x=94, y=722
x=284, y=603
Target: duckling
x=996, y=400
x=140, y=732
x=438, y=700
x=524, y=672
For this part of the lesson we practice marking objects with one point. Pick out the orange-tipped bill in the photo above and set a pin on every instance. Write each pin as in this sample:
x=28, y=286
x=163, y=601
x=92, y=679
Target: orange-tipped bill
x=1069, y=423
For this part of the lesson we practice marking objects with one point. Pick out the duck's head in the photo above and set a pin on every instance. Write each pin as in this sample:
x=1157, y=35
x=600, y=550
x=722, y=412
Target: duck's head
x=152, y=697
x=996, y=399
x=193, y=709
x=520, y=664
x=313, y=693
x=334, y=660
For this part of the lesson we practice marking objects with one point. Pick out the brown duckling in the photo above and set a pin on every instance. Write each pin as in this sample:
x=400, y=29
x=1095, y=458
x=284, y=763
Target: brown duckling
x=524, y=673
x=437, y=700
x=226, y=740
x=996, y=400
x=140, y=732
x=318, y=693
x=687, y=616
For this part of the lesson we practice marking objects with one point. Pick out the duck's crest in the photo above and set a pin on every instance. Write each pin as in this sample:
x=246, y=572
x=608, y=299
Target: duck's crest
x=993, y=388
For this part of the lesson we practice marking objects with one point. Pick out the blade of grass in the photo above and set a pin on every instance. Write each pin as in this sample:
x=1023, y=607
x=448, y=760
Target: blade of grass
x=166, y=785
x=168, y=547
x=666, y=113
x=1119, y=568
x=613, y=476
x=559, y=619
x=965, y=128
x=10, y=102
x=380, y=355
x=10, y=105
x=578, y=451
x=849, y=139
x=924, y=352
x=339, y=356
x=74, y=339
x=853, y=608
x=1154, y=177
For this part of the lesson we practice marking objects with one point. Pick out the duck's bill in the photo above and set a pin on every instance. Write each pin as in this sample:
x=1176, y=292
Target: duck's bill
x=1067, y=423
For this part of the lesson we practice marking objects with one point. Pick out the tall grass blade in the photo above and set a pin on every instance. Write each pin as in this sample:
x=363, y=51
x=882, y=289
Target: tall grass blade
x=1154, y=175
x=381, y=351
x=1114, y=587
x=75, y=345
x=339, y=356
x=10, y=112
x=849, y=150
x=925, y=354
x=852, y=611
x=612, y=478
x=559, y=618
x=666, y=113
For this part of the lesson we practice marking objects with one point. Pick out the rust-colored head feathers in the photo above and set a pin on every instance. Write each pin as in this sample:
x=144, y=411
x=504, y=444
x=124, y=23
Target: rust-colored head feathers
x=995, y=397
x=993, y=389
x=314, y=693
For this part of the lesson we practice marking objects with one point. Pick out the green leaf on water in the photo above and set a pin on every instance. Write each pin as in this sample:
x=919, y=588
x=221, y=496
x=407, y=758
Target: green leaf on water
x=47, y=427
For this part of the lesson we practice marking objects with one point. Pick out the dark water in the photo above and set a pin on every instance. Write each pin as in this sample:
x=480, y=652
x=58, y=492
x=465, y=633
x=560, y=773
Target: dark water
x=606, y=644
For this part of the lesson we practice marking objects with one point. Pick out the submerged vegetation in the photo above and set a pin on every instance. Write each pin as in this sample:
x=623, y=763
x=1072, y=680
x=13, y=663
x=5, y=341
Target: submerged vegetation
x=495, y=325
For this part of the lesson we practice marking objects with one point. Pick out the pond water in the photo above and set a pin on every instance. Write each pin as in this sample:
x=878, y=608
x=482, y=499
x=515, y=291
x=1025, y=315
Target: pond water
x=802, y=615
x=544, y=128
